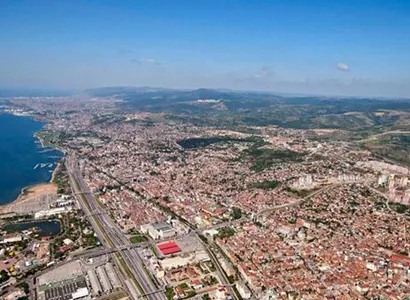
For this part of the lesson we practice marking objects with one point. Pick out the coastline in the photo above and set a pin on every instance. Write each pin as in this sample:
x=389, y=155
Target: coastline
x=33, y=187
x=29, y=200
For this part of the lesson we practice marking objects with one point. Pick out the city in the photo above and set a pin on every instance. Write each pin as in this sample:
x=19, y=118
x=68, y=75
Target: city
x=205, y=150
x=184, y=211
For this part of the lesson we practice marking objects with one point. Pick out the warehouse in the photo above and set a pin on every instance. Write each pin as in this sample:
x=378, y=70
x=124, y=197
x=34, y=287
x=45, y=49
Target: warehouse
x=112, y=275
x=95, y=283
x=106, y=284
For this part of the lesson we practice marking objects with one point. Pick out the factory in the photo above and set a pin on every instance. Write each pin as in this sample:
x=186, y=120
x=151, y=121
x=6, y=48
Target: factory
x=113, y=276
x=71, y=288
x=103, y=279
x=78, y=281
x=105, y=282
x=94, y=282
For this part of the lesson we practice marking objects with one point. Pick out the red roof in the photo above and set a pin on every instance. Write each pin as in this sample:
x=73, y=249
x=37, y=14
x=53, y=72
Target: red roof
x=405, y=260
x=65, y=248
x=168, y=248
x=166, y=245
x=171, y=250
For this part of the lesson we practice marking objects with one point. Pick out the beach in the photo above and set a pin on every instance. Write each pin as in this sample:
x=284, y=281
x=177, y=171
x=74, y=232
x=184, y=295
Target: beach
x=31, y=199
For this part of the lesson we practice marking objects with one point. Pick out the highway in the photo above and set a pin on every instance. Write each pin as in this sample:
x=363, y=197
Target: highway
x=110, y=234
x=118, y=242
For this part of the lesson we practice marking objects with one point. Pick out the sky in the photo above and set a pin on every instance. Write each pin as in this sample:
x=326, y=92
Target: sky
x=346, y=47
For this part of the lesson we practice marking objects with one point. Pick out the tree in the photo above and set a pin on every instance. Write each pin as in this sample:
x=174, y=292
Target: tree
x=4, y=276
x=236, y=213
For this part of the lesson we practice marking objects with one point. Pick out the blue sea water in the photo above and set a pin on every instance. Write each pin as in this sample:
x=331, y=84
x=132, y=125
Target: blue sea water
x=20, y=152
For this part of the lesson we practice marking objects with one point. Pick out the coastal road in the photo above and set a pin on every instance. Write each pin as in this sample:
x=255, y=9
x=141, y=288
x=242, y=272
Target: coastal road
x=111, y=236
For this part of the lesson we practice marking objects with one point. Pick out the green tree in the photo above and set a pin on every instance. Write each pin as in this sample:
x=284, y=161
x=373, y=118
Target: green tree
x=236, y=213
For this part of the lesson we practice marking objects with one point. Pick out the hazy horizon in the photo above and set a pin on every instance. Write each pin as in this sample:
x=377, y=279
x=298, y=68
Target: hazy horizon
x=46, y=92
x=343, y=48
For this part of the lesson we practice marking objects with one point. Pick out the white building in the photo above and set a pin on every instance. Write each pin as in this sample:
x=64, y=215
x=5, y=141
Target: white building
x=112, y=276
x=159, y=230
x=304, y=182
x=95, y=283
x=52, y=212
x=14, y=239
x=243, y=290
x=67, y=242
x=80, y=293
x=106, y=284
x=383, y=179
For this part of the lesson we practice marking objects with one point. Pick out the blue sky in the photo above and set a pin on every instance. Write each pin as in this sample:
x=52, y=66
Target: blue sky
x=350, y=47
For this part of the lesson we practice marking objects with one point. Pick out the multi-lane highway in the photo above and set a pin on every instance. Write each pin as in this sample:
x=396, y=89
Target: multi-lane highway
x=110, y=234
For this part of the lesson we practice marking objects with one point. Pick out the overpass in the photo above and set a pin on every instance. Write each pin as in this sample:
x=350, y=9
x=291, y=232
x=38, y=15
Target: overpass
x=111, y=236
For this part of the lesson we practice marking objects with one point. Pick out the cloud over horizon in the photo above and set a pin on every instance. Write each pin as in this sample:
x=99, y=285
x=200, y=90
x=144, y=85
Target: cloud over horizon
x=149, y=61
x=263, y=73
x=342, y=67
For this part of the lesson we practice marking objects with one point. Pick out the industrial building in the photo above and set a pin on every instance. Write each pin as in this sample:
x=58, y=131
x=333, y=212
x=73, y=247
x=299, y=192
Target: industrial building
x=105, y=282
x=95, y=283
x=74, y=288
x=78, y=281
x=103, y=279
x=160, y=230
x=113, y=276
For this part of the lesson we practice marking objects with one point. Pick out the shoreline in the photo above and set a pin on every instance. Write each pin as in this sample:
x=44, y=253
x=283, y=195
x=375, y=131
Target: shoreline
x=23, y=191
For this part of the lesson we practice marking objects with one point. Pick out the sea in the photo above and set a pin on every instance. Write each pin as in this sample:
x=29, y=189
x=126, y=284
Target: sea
x=23, y=161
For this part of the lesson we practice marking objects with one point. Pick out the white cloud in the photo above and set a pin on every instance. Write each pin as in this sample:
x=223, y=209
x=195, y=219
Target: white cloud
x=342, y=67
x=263, y=73
x=148, y=61
x=151, y=61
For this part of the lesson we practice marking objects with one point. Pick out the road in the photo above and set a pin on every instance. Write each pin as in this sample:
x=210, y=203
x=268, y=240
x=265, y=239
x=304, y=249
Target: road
x=298, y=202
x=110, y=234
x=119, y=240
x=375, y=136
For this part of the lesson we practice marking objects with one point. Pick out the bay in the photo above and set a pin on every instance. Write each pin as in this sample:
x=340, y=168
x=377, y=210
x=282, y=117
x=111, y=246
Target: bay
x=20, y=153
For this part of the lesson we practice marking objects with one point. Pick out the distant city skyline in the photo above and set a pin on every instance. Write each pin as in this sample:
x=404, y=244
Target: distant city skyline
x=346, y=48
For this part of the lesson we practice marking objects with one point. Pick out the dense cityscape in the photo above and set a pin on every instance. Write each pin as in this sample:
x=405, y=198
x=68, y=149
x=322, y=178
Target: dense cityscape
x=204, y=150
x=159, y=208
